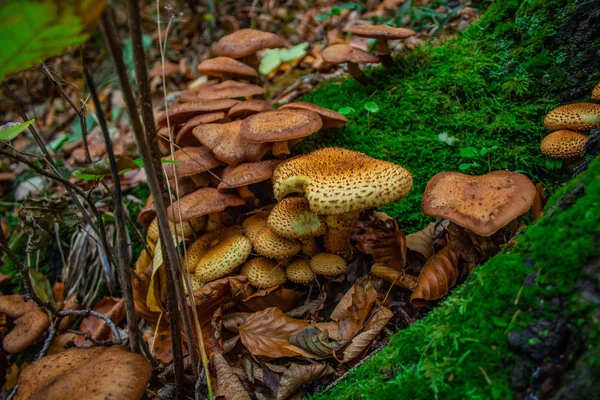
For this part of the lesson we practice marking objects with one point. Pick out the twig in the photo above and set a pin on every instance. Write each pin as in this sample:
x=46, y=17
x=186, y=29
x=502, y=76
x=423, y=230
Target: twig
x=122, y=245
x=89, y=338
x=52, y=332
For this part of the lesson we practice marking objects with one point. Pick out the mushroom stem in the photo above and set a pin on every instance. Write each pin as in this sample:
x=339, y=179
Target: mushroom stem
x=355, y=71
x=382, y=49
x=245, y=193
x=483, y=244
x=281, y=149
x=339, y=231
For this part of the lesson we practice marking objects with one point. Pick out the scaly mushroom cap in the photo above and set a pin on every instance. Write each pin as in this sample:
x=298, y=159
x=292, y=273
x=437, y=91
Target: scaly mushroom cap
x=196, y=250
x=223, y=66
x=330, y=118
x=201, y=202
x=327, y=264
x=244, y=42
x=564, y=144
x=14, y=306
x=337, y=181
x=263, y=273
x=381, y=32
x=342, y=53
x=227, y=143
x=229, y=90
x=279, y=125
x=185, y=138
x=577, y=117
x=28, y=329
x=267, y=243
x=596, y=92
x=190, y=161
x=299, y=272
x=194, y=224
x=482, y=204
x=291, y=218
x=96, y=373
x=249, y=107
x=227, y=250
x=183, y=112
x=247, y=174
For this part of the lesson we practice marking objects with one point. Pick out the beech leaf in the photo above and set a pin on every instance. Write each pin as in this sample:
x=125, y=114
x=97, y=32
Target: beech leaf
x=297, y=375
x=315, y=341
x=380, y=237
x=38, y=217
x=228, y=384
x=437, y=277
x=422, y=241
x=362, y=341
x=112, y=307
x=276, y=296
x=353, y=309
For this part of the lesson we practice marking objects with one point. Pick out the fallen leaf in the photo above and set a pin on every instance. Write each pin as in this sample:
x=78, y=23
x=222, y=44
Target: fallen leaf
x=380, y=237
x=422, y=241
x=112, y=307
x=232, y=321
x=228, y=384
x=404, y=280
x=315, y=341
x=353, y=309
x=362, y=341
x=38, y=217
x=298, y=375
x=437, y=277
x=537, y=210
x=307, y=309
x=283, y=298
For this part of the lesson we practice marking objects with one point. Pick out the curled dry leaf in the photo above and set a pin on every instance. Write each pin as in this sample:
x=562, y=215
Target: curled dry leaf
x=112, y=307
x=307, y=309
x=422, y=241
x=276, y=296
x=315, y=341
x=297, y=375
x=361, y=342
x=459, y=240
x=352, y=311
x=437, y=277
x=396, y=277
x=228, y=384
x=232, y=321
x=380, y=237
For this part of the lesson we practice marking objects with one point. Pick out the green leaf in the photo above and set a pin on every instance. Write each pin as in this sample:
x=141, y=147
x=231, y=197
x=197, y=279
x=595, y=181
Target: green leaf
x=34, y=31
x=269, y=62
x=346, y=110
x=371, y=106
x=41, y=286
x=38, y=216
x=468, y=152
x=293, y=53
x=10, y=130
x=57, y=143
x=466, y=166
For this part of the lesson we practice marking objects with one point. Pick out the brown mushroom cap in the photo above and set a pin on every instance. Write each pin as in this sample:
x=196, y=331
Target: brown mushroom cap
x=330, y=118
x=201, y=202
x=185, y=138
x=249, y=107
x=327, y=264
x=147, y=213
x=279, y=125
x=247, y=174
x=381, y=32
x=263, y=273
x=28, y=329
x=227, y=144
x=482, y=204
x=564, y=144
x=96, y=373
x=291, y=218
x=577, y=117
x=337, y=180
x=244, y=42
x=596, y=92
x=229, y=90
x=14, y=306
x=194, y=160
x=223, y=66
x=183, y=112
x=342, y=53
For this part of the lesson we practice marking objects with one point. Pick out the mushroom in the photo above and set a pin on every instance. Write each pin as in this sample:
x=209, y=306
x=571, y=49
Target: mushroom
x=343, y=53
x=576, y=117
x=263, y=273
x=327, y=264
x=564, y=144
x=229, y=90
x=190, y=161
x=226, y=141
x=291, y=218
x=27, y=330
x=202, y=202
x=245, y=43
x=183, y=112
x=266, y=242
x=147, y=213
x=596, y=92
x=95, y=373
x=189, y=227
x=14, y=306
x=249, y=107
x=226, y=68
x=185, y=138
x=243, y=175
x=383, y=34
x=330, y=118
x=299, y=272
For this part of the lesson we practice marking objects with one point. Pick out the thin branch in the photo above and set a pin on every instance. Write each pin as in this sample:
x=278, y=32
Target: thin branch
x=51, y=334
x=89, y=338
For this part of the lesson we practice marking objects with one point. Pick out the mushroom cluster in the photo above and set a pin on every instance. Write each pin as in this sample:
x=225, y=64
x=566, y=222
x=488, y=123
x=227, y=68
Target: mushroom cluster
x=570, y=125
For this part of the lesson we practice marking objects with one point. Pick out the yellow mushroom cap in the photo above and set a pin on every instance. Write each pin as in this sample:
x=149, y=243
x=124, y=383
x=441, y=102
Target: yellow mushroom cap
x=195, y=224
x=279, y=125
x=291, y=218
x=596, y=92
x=299, y=272
x=227, y=251
x=327, y=264
x=330, y=118
x=564, y=144
x=229, y=90
x=266, y=242
x=254, y=225
x=263, y=273
x=245, y=42
x=577, y=117
x=221, y=66
x=482, y=204
x=337, y=180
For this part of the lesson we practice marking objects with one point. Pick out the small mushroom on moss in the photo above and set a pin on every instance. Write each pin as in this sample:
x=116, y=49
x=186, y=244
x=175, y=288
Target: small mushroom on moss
x=263, y=273
x=383, y=33
x=226, y=68
x=564, y=144
x=299, y=272
x=576, y=117
x=343, y=53
x=245, y=43
x=327, y=264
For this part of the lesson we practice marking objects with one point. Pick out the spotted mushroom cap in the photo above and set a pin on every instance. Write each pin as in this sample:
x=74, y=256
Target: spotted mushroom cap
x=279, y=125
x=342, y=53
x=245, y=42
x=291, y=218
x=27, y=330
x=337, y=180
x=227, y=143
x=564, y=144
x=190, y=161
x=227, y=251
x=596, y=92
x=576, y=117
x=202, y=202
x=222, y=66
x=482, y=204
x=247, y=174
x=229, y=90
x=183, y=112
x=381, y=32
x=299, y=272
x=327, y=264
x=194, y=224
x=185, y=138
x=267, y=243
x=249, y=107
x=330, y=118
x=263, y=273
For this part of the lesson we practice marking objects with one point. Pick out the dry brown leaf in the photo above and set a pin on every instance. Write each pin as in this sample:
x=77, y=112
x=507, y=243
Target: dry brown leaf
x=437, y=277
x=280, y=297
x=143, y=269
x=537, y=209
x=297, y=376
x=380, y=237
x=232, y=321
x=361, y=342
x=112, y=307
x=228, y=384
x=353, y=309
x=161, y=345
x=315, y=341
x=459, y=240
x=404, y=280
x=307, y=309
x=422, y=241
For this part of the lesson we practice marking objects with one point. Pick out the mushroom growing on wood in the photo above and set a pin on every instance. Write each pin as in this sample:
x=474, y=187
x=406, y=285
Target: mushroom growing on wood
x=245, y=43
x=226, y=68
x=576, y=117
x=383, y=34
x=564, y=144
x=343, y=53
